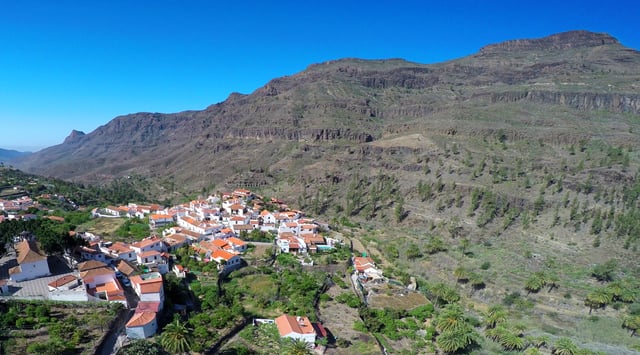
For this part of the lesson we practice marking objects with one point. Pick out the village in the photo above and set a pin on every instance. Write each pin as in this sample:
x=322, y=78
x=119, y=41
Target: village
x=132, y=273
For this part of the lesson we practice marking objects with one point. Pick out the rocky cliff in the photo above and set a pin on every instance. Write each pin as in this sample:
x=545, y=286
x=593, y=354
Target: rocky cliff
x=540, y=89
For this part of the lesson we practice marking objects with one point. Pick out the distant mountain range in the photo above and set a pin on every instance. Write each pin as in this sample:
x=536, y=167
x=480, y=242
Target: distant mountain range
x=6, y=155
x=561, y=89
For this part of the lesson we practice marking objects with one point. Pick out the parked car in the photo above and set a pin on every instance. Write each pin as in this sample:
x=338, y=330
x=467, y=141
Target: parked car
x=126, y=282
x=119, y=274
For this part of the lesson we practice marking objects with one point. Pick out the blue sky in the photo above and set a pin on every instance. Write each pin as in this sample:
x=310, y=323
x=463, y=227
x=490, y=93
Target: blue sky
x=77, y=64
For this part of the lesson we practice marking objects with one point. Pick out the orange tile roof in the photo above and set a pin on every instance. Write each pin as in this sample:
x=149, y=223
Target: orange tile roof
x=176, y=238
x=28, y=252
x=361, y=263
x=89, y=275
x=222, y=254
x=220, y=243
x=141, y=319
x=160, y=216
x=154, y=287
x=289, y=324
x=148, y=253
x=120, y=247
x=109, y=288
x=236, y=241
x=63, y=281
x=91, y=264
x=146, y=242
x=125, y=267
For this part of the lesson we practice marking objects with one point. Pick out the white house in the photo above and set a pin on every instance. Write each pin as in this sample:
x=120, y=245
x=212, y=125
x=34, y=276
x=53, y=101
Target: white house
x=150, y=243
x=160, y=220
x=142, y=325
x=120, y=250
x=296, y=327
x=32, y=263
x=226, y=260
x=148, y=287
x=236, y=244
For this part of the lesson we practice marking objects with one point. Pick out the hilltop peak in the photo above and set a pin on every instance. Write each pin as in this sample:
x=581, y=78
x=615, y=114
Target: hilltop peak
x=74, y=135
x=564, y=40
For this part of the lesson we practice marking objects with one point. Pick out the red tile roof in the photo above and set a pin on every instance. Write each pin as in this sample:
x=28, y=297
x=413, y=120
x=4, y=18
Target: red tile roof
x=141, y=319
x=63, y=281
x=289, y=324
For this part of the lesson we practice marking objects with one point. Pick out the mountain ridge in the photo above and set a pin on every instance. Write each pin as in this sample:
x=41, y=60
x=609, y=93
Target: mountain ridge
x=356, y=101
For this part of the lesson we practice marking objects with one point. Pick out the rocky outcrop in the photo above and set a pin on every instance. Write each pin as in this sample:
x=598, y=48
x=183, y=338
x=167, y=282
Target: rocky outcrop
x=74, y=136
x=585, y=101
x=565, y=40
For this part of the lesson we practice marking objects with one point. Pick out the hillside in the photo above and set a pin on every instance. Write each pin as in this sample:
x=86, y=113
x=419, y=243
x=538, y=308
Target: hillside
x=519, y=160
x=7, y=155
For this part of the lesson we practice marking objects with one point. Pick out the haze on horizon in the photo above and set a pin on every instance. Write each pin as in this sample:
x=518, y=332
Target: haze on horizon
x=77, y=65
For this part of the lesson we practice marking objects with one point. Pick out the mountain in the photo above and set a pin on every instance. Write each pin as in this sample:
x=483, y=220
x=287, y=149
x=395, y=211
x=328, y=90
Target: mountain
x=7, y=155
x=500, y=173
x=353, y=105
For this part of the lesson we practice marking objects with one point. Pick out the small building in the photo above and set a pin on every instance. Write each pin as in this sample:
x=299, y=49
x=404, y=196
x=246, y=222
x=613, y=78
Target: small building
x=32, y=263
x=296, y=327
x=64, y=283
x=142, y=325
x=148, y=287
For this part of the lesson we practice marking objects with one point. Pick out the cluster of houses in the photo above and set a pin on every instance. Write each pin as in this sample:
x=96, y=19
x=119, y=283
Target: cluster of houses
x=212, y=227
x=15, y=208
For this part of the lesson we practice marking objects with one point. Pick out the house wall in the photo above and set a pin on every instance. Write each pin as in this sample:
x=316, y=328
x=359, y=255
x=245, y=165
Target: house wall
x=76, y=295
x=142, y=332
x=151, y=297
x=309, y=338
x=32, y=271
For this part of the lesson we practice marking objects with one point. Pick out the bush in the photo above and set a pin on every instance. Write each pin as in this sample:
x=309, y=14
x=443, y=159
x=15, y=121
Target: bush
x=511, y=298
x=485, y=266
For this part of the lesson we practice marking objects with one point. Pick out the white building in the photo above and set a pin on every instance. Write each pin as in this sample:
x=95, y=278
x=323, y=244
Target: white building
x=296, y=327
x=32, y=263
x=142, y=325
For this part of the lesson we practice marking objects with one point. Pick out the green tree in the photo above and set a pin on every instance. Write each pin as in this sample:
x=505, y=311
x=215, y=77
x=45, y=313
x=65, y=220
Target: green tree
x=632, y=323
x=535, y=282
x=605, y=272
x=496, y=314
x=141, y=347
x=176, y=337
x=458, y=339
x=564, y=346
x=598, y=298
x=296, y=347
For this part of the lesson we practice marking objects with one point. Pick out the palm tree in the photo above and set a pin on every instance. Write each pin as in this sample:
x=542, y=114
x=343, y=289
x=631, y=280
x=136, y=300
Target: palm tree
x=552, y=280
x=535, y=282
x=598, y=298
x=176, y=337
x=461, y=273
x=450, y=318
x=511, y=342
x=623, y=290
x=477, y=281
x=632, y=323
x=564, y=346
x=457, y=339
x=443, y=293
x=495, y=315
x=296, y=347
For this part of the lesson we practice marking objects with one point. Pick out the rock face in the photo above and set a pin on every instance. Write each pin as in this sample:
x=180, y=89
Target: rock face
x=539, y=89
x=560, y=41
x=74, y=136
